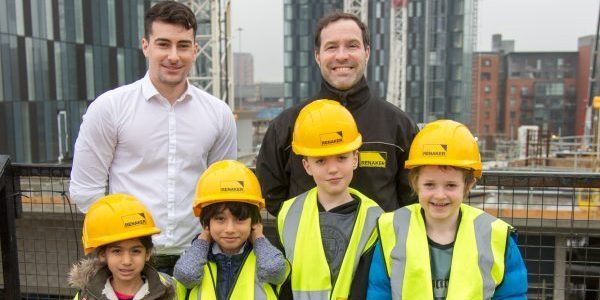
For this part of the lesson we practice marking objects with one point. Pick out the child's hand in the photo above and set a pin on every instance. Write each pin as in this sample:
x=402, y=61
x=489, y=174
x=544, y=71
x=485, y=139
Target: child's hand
x=205, y=234
x=256, y=232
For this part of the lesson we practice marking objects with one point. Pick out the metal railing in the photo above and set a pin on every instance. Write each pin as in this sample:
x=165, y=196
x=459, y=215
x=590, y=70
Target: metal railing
x=557, y=216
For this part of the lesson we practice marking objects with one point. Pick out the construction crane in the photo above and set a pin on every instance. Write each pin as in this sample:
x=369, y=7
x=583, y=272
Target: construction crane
x=396, y=85
x=590, y=198
x=358, y=8
x=214, y=65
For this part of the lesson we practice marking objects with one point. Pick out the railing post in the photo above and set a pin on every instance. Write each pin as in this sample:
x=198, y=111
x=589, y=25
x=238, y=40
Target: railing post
x=560, y=266
x=8, y=232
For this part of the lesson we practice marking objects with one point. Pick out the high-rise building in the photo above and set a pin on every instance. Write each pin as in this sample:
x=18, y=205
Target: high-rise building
x=500, y=45
x=439, y=59
x=302, y=77
x=540, y=90
x=56, y=57
x=548, y=90
x=486, y=99
x=243, y=66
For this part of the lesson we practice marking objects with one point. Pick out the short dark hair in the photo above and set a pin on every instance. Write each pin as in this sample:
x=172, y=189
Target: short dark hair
x=240, y=210
x=169, y=12
x=336, y=16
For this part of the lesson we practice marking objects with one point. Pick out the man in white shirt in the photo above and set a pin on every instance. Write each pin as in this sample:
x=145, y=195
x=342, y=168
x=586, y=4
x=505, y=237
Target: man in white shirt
x=155, y=137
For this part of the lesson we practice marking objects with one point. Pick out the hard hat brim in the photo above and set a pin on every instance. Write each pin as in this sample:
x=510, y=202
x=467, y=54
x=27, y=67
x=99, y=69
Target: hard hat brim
x=259, y=202
x=95, y=243
x=465, y=164
x=327, y=151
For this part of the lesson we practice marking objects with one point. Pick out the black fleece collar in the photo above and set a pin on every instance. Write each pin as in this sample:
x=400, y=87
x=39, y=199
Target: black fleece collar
x=351, y=99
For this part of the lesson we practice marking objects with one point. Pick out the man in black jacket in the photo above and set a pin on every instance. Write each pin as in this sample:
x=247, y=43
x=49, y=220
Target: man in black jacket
x=342, y=49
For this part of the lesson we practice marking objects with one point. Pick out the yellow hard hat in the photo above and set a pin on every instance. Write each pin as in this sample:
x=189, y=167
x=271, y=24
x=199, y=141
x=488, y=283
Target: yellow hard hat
x=114, y=218
x=227, y=181
x=324, y=127
x=445, y=143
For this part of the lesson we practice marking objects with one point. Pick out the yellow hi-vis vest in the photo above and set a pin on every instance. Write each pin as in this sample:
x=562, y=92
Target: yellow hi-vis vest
x=477, y=259
x=300, y=234
x=246, y=283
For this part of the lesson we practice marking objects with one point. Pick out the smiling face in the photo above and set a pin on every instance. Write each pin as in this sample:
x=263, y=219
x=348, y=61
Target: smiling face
x=342, y=56
x=171, y=51
x=441, y=191
x=126, y=260
x=229, y=232
x=333, y=173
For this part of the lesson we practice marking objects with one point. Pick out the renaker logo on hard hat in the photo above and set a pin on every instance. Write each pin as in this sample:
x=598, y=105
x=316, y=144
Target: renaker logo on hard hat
x=232, y=186
x=134, y=220
x=372, y=159
x=435, y=150
x=331, y=138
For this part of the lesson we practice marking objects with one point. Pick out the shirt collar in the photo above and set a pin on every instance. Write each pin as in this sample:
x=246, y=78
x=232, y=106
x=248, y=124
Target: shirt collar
x=149, y=91
x=217, y=250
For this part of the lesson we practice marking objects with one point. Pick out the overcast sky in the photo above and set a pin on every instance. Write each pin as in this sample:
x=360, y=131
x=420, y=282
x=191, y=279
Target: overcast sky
x=535, y=25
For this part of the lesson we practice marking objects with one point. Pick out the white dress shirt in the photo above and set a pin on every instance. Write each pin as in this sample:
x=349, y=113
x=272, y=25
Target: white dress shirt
x=142, y=145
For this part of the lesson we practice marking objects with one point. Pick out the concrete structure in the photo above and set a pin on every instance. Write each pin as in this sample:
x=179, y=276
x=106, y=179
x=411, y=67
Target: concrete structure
x=251, y=128
x=243, y=66
x=245, y=132
x=500, y=45
x=264, y=94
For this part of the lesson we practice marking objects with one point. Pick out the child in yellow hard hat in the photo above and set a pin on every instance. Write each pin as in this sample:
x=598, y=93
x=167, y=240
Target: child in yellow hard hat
x=441, y=248
x=329, y=231
x=231, y=258
x=117, y=238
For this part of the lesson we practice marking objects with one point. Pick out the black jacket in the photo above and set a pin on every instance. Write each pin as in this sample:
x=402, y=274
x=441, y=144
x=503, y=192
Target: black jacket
x=387, y=133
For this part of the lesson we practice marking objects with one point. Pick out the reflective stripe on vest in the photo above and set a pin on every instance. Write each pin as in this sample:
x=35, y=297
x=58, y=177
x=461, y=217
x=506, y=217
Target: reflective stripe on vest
x=246, y=283
x=180, y=290
x=477, y=266
x=300, y=234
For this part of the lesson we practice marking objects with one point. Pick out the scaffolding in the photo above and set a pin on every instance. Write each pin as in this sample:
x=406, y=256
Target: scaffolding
x=396, y=86
x=359, y=8
x=214, y=64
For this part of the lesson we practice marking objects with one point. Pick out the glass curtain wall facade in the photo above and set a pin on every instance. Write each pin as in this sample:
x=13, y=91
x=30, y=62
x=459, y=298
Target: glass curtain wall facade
x=56, y=56
x=439, y=59
x=302, y=77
